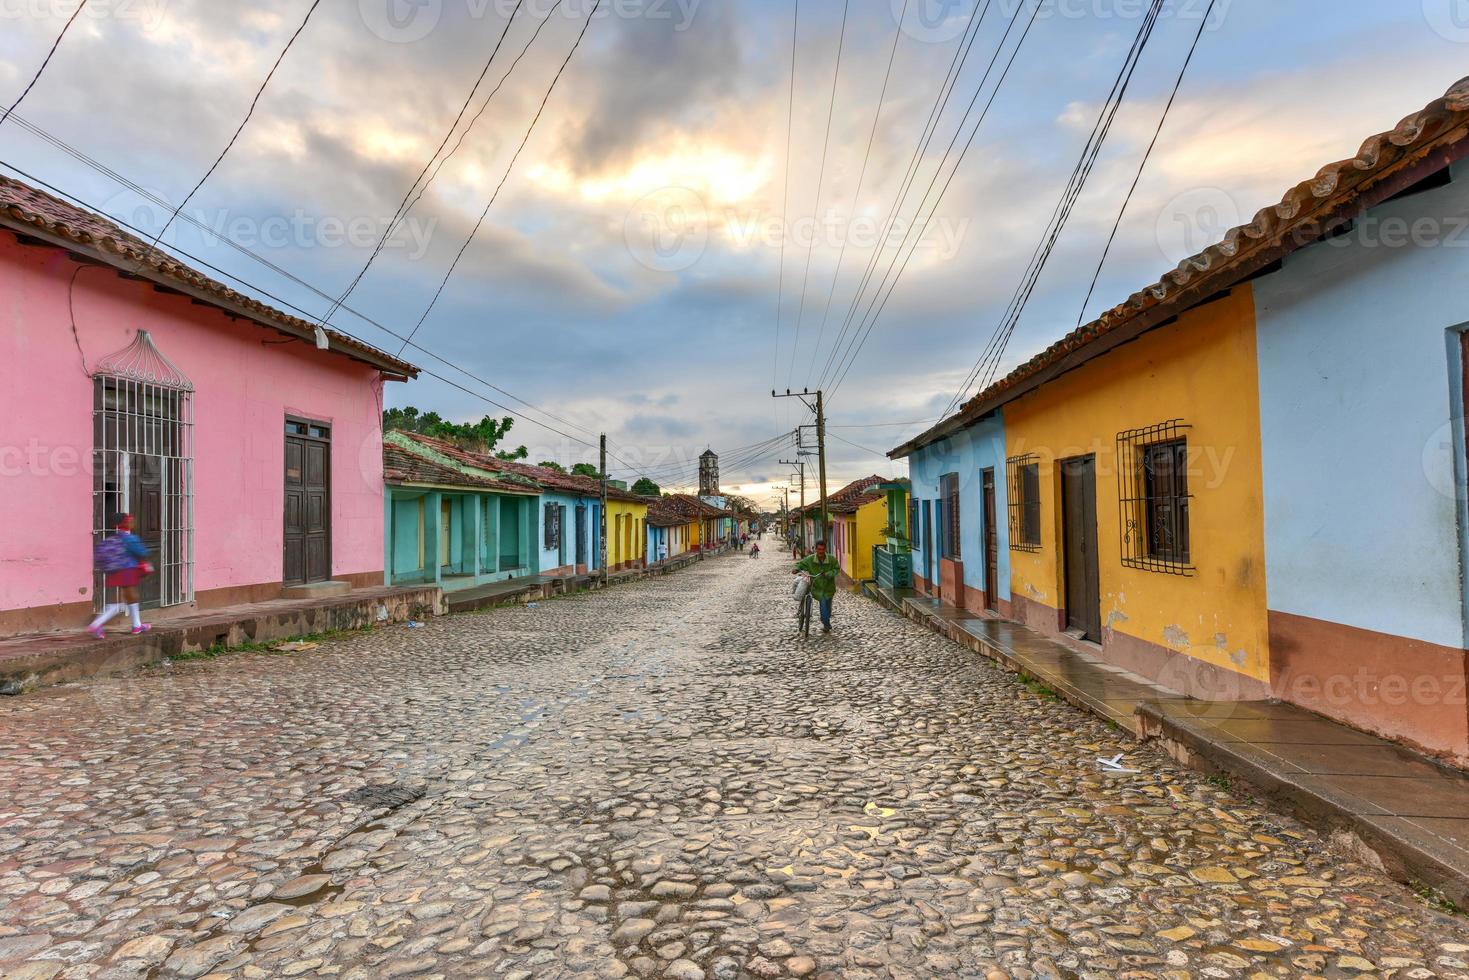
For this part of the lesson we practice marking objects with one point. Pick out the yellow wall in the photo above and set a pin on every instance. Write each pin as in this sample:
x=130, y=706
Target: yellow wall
x=860, y=532
x=624, y=521
x=1202, y=370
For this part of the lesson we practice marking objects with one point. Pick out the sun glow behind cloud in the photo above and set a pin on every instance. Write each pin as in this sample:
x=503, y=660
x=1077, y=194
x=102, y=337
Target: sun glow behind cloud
x=721, y=176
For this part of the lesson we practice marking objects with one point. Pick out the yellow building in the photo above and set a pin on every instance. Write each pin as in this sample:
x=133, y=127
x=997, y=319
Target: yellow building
x=858, y=514
x=627, y=536
x=1142, y=469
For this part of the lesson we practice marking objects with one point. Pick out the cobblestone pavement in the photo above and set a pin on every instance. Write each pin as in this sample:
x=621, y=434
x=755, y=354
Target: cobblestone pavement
x=654, y=780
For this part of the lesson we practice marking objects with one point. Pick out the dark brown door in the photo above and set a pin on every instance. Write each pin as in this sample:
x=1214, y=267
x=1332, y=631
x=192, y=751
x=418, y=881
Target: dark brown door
x=991, y=544
x=1079, y=515
x=308, y=550
x=146, y=493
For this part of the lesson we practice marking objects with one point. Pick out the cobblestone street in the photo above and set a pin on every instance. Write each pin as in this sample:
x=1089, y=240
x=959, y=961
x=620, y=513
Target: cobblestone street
x=653, y=780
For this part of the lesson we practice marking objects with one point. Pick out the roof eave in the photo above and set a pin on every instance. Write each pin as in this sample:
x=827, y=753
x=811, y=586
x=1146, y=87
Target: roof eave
x=1292, y=239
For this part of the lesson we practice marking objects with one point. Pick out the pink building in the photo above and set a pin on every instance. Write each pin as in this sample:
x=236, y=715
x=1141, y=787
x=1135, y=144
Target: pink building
x=250, y=456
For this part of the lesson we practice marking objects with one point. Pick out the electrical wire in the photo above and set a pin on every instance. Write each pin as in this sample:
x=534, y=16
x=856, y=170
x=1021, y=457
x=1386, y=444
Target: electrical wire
x=785, y=197
x=239, y=129
x=915, y=163
x=836, y=75
x=859, y=338
x=406, y=205
x=525, y=139
x=1081, y=314
x=989, y=361
x=44, y=62
x=857, y=194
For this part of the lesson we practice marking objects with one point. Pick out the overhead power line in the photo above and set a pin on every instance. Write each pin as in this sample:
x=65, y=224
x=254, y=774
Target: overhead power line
x=508, y=169
x=836, y=75
x=915, y=163
x=1142, y=164
x=989, y=361
x=785, y=195
x=409, y=198
x=876, y=308
x=857, y=194
x=240, y=128
x=44, y=62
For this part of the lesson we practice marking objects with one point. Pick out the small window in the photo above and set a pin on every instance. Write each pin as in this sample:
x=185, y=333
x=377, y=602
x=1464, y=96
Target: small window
x=553, y=526
x=1023, y=475
x=949, y=490
x=1152, y=477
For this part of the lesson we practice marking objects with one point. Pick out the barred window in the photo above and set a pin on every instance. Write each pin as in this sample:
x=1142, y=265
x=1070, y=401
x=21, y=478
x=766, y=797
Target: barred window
x=1152, y=476
x=949, y=490
x=1023, y=476
x=553, y=526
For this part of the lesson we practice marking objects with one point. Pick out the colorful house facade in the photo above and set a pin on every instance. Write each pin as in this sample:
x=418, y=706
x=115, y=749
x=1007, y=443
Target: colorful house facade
x=245, y=442
x=1248, y=480
x=858, y=516
x=453, y=525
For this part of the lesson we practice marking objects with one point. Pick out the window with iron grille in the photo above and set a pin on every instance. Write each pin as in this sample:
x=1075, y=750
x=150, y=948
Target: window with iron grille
x=553, y=526
x=913, y=524
x=1153, y=497
x=1023, y=479
x=949, y=490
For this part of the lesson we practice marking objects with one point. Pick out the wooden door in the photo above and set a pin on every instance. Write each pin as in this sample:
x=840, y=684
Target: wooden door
x=308, y=554
x=929, y=558
x=991, y=544
x=446, y=524
x=145, y=491
x=581, y=534
x=1079, y=541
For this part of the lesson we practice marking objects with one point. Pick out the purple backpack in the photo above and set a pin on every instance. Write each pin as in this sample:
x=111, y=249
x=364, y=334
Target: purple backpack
x=111, y=555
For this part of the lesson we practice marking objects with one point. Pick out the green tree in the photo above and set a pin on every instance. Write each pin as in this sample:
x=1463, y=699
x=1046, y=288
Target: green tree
x=586, y=469
x=551, y=464
x=481, y=437
x=646, y=487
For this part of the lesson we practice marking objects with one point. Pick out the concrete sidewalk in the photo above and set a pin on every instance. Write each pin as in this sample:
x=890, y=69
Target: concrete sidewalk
x=1392, y=807
x=27, y=662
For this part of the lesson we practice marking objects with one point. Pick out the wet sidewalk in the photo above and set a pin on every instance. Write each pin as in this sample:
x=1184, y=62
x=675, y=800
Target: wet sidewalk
x=28, y=662
x=1394, y=808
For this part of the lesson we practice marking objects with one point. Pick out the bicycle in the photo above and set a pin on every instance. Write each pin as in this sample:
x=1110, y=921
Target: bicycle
x=803, y=612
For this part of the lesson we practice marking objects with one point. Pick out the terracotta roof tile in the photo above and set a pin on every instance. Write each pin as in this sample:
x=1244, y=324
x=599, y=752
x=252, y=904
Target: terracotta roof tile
x=24, y=208
x=403, y=466
x=1439, y=131
x=550, y=479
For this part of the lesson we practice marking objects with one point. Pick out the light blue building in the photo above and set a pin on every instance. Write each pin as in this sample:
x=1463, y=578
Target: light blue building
x=957, y=515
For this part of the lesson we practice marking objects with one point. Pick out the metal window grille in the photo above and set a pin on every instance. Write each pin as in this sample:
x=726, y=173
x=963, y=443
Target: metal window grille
x=143, y=464
x=553, y=526
x=1153, y=497
x=1023, y=476
x=949, y=487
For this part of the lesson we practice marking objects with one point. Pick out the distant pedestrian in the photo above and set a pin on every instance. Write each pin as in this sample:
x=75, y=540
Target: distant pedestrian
x=123, y=559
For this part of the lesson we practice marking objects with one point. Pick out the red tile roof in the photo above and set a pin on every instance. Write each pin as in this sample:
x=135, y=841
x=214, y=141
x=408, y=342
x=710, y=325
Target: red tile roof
x=28, y=211
x=550, y=479
x=681, y=508
x=402, y=466
x=849, y=498
x=1387, y=163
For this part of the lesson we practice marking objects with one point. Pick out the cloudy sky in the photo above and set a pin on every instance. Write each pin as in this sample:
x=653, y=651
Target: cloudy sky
x=656, y=260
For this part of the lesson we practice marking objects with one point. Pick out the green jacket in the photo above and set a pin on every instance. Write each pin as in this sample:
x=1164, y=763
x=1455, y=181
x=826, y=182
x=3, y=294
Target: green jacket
x=823, y=575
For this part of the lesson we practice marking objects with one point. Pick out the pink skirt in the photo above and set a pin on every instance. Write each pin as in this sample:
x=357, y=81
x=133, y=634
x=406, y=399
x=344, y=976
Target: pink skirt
x=125, y=579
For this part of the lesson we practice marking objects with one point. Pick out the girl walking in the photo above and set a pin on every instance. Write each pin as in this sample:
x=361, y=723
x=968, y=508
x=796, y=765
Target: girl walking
x=123, y=558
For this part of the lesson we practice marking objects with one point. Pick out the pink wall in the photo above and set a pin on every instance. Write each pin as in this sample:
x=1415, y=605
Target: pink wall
x=246, y=380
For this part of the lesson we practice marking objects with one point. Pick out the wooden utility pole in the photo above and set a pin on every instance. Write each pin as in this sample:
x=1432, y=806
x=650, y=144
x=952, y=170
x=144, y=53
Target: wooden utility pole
x=820, y=409
x=602, y=517
x=800, y=465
